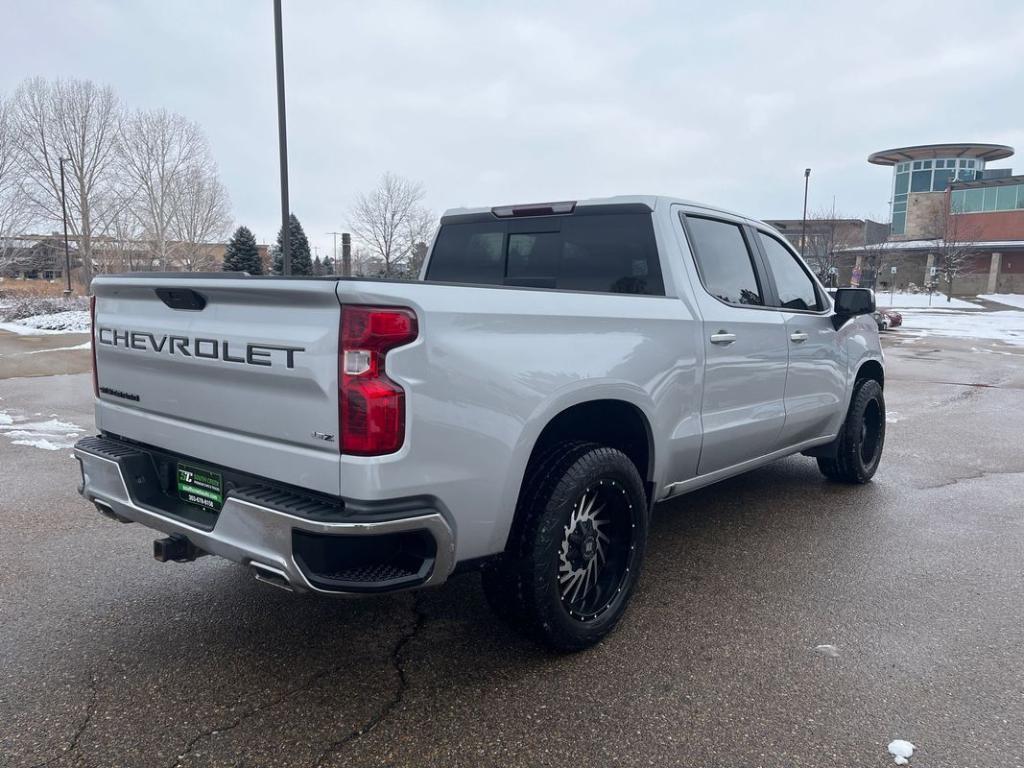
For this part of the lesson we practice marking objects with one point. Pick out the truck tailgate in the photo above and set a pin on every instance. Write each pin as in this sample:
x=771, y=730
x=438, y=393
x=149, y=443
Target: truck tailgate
x=239, y=372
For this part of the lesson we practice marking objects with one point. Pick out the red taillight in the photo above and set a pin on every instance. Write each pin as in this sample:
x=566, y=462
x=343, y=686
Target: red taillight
x=92, y=327
x=371, y=407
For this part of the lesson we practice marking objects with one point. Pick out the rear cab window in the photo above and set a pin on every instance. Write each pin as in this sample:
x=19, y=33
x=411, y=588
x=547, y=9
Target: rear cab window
x=584, y=251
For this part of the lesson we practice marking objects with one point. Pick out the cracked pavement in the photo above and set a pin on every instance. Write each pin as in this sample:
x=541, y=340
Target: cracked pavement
x=112, y=659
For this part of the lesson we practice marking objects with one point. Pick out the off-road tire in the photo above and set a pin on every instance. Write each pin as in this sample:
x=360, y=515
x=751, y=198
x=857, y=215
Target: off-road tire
x=523, y=586
x=859, y=445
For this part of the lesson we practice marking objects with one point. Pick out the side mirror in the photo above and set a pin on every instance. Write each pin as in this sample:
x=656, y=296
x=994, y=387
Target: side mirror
x=850, y=302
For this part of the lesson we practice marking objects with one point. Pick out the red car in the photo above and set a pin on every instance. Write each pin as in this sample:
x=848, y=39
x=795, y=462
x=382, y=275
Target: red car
x=888, y=318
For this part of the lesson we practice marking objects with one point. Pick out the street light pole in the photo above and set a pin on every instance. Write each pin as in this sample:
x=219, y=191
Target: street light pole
x=282, y=137
x=803, y=226
x=334, y=266
x=67, y=250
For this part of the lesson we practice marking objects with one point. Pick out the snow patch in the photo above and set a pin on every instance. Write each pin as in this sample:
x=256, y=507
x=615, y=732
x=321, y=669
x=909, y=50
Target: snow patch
x=920, y=301
x=84, y=345
x=901, y=751
x=1006, y=326
x=48, y=435
x=827, y=650
x=1009, y=299
x=893, y=417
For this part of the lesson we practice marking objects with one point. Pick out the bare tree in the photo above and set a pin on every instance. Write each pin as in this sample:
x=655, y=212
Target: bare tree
x=74, y=119
x=14, y=212
x=827, y=236
x=955, y=247
x=123, y=247
x=202, y=215
x=157, y=150
x=390, y=221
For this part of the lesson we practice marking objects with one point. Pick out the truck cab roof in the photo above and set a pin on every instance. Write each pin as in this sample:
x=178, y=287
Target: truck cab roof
x=651, y=202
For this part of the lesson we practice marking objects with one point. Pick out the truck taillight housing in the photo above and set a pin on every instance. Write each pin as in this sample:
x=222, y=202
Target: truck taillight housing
x=92, y=328
x=371, y=407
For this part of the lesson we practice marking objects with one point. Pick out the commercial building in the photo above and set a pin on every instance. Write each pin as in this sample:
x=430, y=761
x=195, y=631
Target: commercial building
x=948, y=207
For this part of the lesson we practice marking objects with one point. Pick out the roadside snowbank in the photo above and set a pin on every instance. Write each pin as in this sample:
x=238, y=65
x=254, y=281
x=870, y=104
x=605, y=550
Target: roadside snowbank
x=71, y=321
x=35, y=315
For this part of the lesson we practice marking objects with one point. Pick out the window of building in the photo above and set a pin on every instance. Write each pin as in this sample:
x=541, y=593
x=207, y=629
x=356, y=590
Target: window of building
x=793, y=284
x=921, y=181
x=902, y=183
x=724, y=262
x=1006, y=198
x=990, y=199
x=899, y=223
x=941, y=179
x=974, y=200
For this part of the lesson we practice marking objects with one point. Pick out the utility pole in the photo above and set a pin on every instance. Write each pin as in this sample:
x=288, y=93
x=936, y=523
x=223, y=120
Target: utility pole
x=346, y=254
x=803, y=226
x=282, y=138
x=67, y=250
x=334, y=266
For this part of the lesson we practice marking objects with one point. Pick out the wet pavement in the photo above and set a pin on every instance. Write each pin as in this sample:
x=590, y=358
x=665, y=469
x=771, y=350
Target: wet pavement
x=915, y=581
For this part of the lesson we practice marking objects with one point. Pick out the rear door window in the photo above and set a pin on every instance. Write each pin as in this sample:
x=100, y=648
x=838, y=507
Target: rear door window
x=724, y=261
x=603, y=252
x=792, y=283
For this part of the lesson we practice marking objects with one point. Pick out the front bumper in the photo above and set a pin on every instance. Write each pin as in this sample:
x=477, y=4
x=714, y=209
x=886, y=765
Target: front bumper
x=262, y=529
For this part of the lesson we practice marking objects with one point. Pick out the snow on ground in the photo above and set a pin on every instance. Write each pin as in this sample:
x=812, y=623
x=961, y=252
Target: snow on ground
x=1010, y=299
x=901, y=751
x=71, y=321
x=916, y=300
x=50, y=434
x=1006, y=326
x=83, y=345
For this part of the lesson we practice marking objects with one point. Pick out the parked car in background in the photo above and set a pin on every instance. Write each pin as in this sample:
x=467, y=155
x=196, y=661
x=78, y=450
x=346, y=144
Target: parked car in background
x=887, y=318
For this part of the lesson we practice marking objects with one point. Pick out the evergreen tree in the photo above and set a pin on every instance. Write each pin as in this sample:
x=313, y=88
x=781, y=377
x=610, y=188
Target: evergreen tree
x=318, y=268
x=298, y=250
x=242, y=254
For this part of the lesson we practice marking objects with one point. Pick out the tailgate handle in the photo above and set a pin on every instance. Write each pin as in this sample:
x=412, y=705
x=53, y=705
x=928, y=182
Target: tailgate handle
x=181, y=298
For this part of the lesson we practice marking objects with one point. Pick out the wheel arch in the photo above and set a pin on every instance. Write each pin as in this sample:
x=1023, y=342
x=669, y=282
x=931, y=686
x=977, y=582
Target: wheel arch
x=870, y=369
x=613, y=420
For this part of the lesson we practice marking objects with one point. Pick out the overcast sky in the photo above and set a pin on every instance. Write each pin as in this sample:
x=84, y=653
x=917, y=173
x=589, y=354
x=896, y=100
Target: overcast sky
x=506, y=102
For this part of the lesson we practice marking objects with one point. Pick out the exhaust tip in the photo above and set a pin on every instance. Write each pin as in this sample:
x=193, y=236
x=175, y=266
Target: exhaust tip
x=270, y=575
x=108, y=512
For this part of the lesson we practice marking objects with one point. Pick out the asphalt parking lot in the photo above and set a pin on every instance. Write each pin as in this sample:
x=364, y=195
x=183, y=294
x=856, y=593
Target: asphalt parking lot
x=914, y=582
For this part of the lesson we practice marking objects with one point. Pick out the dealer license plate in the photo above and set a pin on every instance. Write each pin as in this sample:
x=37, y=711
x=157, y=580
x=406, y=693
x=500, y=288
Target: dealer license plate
x=200, y=486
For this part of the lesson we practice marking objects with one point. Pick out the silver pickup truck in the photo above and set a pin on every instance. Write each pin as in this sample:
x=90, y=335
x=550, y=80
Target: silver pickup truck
x=559, y=369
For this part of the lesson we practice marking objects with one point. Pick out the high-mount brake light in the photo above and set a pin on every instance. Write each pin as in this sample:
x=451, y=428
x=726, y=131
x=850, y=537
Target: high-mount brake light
x=371, y=407
x=536, y=209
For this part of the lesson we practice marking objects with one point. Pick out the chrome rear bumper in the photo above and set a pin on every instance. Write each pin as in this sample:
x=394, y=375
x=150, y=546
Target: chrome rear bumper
x=257, y=536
